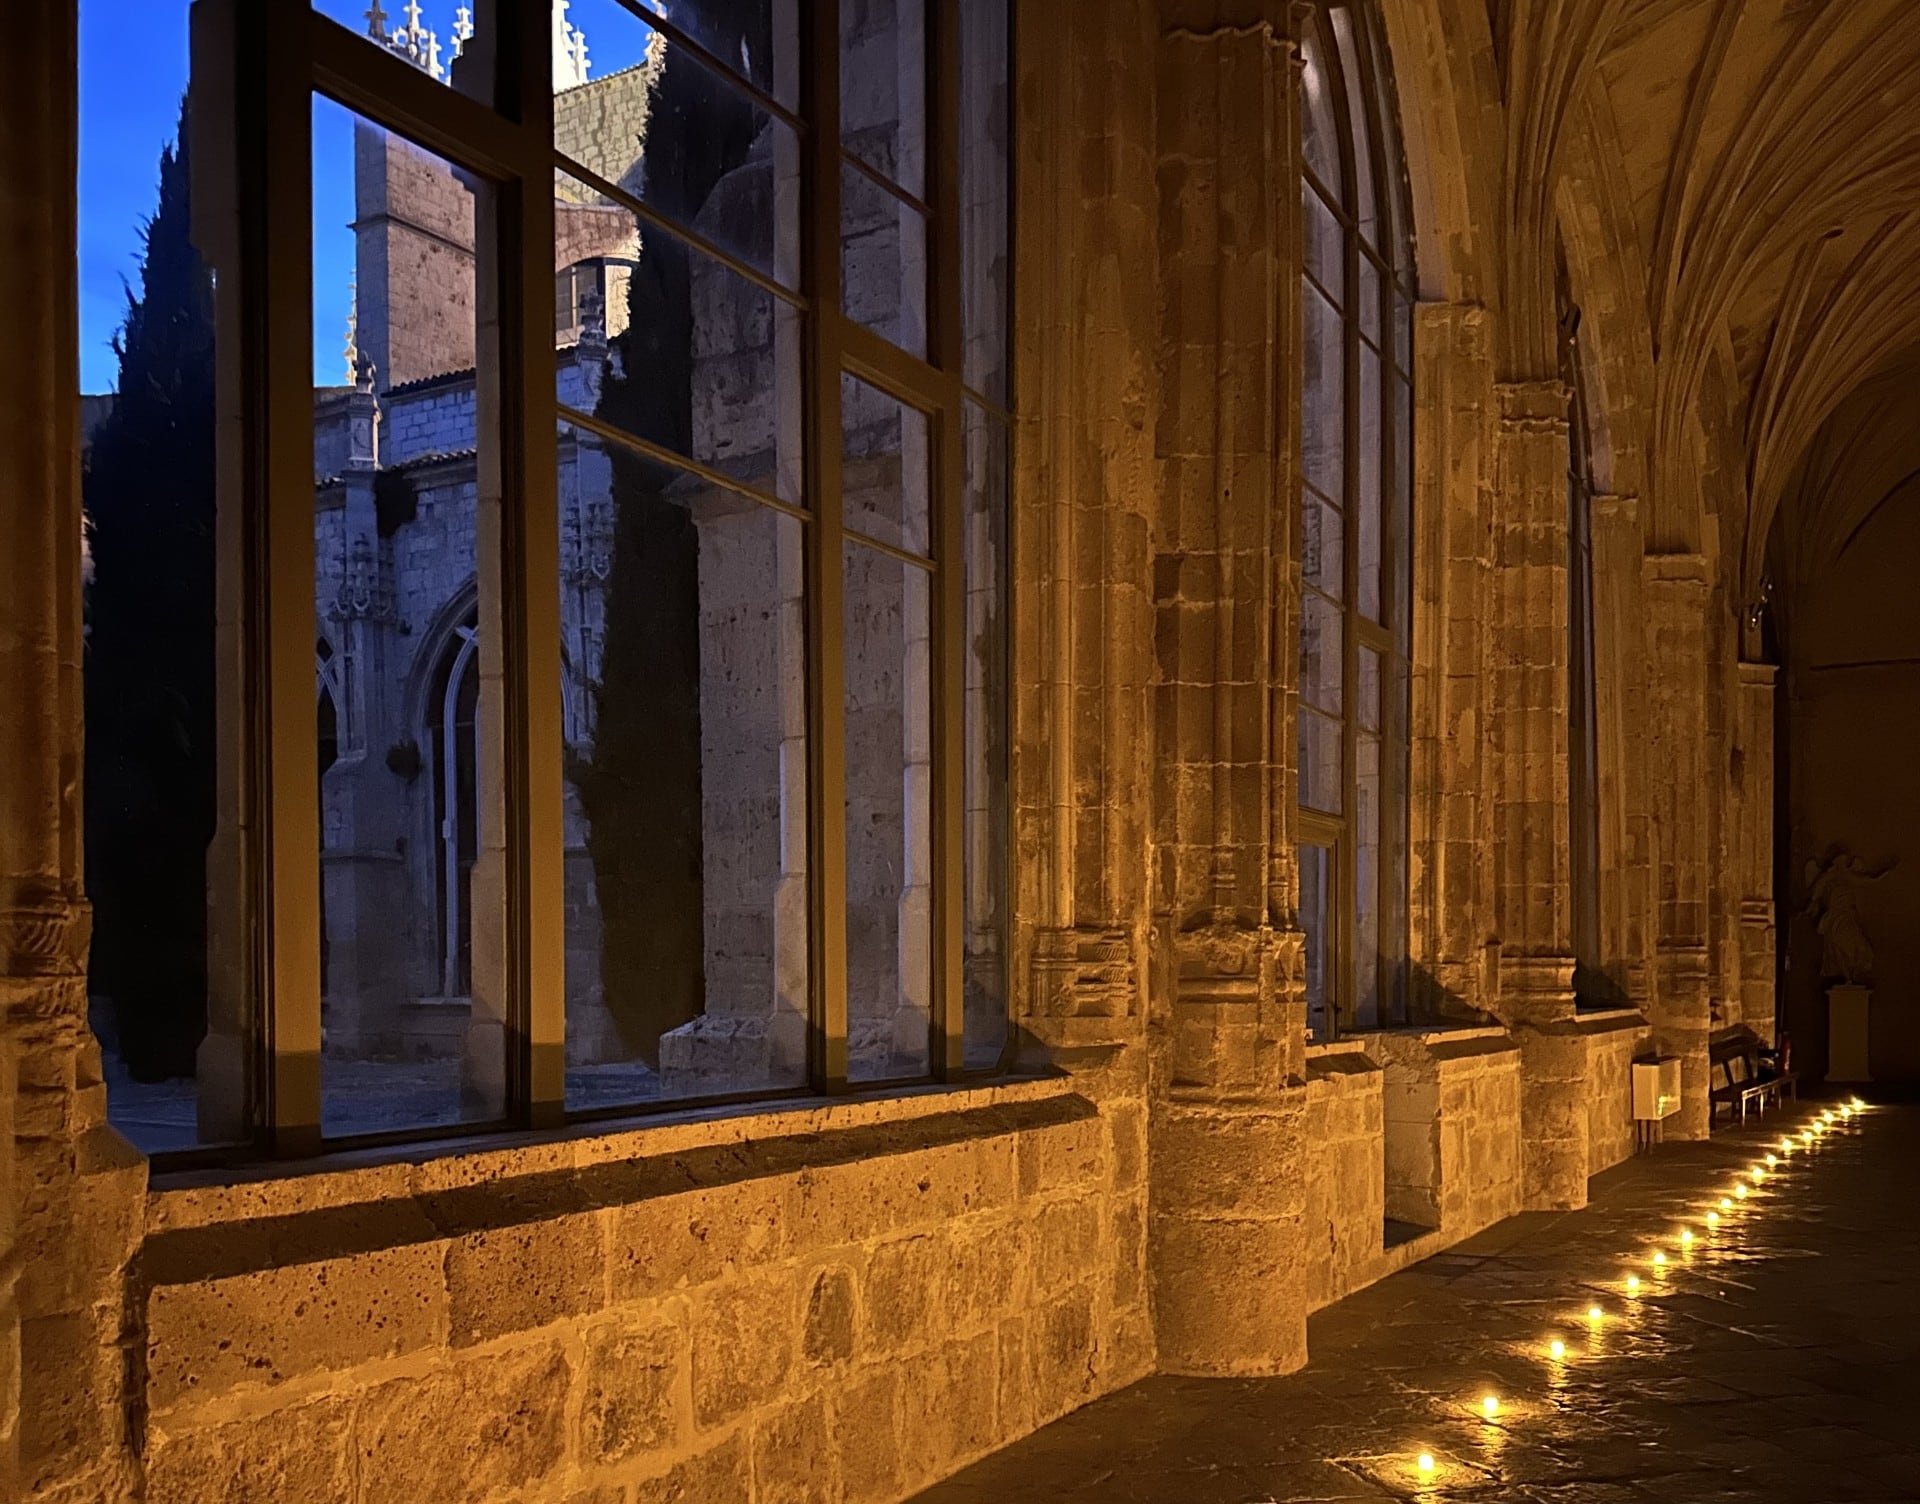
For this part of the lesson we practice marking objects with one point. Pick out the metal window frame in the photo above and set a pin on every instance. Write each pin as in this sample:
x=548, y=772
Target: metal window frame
x=508, y=141
x=1390, y=637
x=1583, y=730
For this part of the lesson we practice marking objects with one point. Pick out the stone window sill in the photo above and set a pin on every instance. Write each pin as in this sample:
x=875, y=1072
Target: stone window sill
x=368, y=1196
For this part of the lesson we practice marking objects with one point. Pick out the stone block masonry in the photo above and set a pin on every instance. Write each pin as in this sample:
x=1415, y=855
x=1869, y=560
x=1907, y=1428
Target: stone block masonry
x=835, y=1303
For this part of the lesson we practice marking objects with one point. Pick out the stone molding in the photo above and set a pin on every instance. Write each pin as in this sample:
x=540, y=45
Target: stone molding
x=1086, y=971
x=44, y=932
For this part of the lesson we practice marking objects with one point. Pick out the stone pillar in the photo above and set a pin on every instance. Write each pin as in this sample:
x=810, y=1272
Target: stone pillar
x=71, y=1208
x=1450, y=811
x=1753, y=845
x=1087, y=366
x=1619, y=646
x=1532, y=829
x=1227, y=1020
x=1677, y=596
x=1084, y=354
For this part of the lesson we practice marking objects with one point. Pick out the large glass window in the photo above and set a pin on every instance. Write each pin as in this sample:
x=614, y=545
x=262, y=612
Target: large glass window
x=1356, y=301
x=1592, y=987
x=659, y=712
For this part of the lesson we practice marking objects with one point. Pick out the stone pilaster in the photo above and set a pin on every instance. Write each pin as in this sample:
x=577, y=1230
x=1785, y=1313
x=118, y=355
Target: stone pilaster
x=1450, y=813
x=1619, y=643
x=70, y=1210
x=1752, y=876
x=1083, y=633
x=1532, y=829
x=1227, y=1020
x=1678, y=593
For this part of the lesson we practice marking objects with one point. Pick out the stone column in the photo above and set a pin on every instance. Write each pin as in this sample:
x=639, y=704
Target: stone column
x=1677, y=595
x=1083, y=463
x=70, y=1211
x=1619, y=644
x=1227, y=1020
x=1532, y=830
x=1450, y=811
x=1087, y=368
x=1753, y=845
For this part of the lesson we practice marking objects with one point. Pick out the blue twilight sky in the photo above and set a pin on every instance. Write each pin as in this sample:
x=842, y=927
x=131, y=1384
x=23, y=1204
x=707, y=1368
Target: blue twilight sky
x=133, y=70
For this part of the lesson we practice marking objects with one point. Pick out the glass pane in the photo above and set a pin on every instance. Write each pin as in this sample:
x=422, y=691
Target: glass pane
x=754, y=41
x=1394, y=986
x=985, y=261
x=1369, y=299
x=1359, y=114
x=883, y=88
x=988, y=815
x=1321, y=662
x=883, y=262
x=684, y=712
x=455, y=52
x=674, y=348
x=1316, y=910
x=1401, y=582
x=889, y=813
x=1369, y=1001
x=1367, y=702
x=1325, y=245
x=885, y=467
x=1319, y=761
x=1320, y=135
x=413, y=859
x=1322, y=546
x=714, y=162
x=167, y=973
x=1322, y=395
x=1369, y=522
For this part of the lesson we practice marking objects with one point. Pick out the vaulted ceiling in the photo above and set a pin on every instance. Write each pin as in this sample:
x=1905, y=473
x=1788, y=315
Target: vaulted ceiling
x=1771, y=155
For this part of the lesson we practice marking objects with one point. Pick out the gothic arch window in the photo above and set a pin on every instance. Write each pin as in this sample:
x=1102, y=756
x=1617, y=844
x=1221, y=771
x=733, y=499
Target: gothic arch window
x=331, y=721
x=452, y=710
x=1583, y=742
x=1356, y=302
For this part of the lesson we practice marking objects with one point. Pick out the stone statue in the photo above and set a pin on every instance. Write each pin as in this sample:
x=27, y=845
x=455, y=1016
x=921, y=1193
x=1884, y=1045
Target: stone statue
x=1833, y=902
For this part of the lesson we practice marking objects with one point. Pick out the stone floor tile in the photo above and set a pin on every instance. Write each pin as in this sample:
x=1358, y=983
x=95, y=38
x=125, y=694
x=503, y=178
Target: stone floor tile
x=1773, y=1359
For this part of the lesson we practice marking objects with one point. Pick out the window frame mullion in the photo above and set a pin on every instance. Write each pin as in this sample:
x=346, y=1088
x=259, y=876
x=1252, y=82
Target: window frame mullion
x=825, y=564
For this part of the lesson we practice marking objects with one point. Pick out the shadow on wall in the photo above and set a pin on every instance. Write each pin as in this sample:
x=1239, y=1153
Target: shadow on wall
x=1854, y=722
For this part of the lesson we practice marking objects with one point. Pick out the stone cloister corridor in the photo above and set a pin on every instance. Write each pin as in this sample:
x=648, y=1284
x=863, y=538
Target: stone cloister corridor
x=1771, y=1357
x=849, y=751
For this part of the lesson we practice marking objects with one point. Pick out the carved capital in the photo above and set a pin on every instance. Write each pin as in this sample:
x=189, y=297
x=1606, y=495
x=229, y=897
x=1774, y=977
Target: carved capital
x=1084, y=972
x=44, y=932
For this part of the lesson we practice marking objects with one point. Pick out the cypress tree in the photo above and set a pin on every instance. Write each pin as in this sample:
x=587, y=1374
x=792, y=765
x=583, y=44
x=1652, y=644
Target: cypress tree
x=641, y=787
x=149, y=490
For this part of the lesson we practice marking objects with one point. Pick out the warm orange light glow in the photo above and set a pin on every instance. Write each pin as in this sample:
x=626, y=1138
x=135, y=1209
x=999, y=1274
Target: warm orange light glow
x=1490, y=1405
x=1556, y=1348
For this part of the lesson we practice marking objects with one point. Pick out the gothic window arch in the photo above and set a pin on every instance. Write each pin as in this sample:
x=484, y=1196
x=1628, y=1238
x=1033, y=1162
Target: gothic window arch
x=1356, y=301
x=333, y=721
x=452, y=755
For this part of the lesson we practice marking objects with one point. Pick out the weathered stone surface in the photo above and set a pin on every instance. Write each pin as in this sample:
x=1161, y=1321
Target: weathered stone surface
x=633, y=1387
x=300, y=1456
x=464, y=1431
x=518, y=1278
x=262, y=1329
x=744, y=1333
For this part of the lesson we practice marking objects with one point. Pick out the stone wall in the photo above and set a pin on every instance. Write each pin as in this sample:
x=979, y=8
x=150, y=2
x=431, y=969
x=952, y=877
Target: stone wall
x=1451, y=1106
x=1346, y=1172
x=823, y=1303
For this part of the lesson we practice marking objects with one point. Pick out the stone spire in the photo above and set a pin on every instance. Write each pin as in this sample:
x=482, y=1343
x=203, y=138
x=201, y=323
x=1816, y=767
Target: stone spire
x=352, y=350
x=569, y=50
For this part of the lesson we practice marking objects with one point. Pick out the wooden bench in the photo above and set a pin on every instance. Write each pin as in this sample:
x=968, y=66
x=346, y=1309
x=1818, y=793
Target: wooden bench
x=1745, y=1073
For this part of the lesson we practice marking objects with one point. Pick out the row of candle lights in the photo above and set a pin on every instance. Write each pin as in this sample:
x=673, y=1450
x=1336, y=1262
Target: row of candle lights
x=1426, y=1467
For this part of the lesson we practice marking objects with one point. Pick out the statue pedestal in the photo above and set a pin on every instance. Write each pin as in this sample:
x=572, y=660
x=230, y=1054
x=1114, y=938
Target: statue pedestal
x=1848, y=1032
